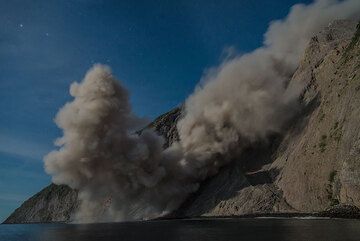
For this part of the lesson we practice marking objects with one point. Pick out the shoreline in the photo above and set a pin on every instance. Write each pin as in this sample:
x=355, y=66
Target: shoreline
x=341, y=211
x=320, y=215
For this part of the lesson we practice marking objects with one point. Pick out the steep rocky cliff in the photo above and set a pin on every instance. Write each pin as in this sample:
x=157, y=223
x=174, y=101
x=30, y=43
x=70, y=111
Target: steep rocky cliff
x=320, y=159
x=314, y=166
x=55, y=203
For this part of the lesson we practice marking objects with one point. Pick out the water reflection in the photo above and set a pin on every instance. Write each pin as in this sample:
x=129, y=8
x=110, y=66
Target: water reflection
x=191, y=230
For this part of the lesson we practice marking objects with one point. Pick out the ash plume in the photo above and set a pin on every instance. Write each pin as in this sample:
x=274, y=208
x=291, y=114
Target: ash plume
x=248, y=98
x=125, y=176
x=120, y=175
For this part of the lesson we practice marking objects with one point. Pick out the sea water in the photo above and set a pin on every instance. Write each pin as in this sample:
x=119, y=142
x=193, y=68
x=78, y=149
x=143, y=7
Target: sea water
x=276, y=229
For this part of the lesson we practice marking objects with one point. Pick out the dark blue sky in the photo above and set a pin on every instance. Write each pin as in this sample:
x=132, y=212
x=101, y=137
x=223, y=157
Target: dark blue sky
x=158, y=49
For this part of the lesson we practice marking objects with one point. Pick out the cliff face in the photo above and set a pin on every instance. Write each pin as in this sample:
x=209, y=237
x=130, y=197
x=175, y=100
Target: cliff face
x=320, y=162
x=313, y=166
x=55, y=203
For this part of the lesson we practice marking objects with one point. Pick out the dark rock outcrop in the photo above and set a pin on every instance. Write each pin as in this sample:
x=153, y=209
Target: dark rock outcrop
x=165, y=125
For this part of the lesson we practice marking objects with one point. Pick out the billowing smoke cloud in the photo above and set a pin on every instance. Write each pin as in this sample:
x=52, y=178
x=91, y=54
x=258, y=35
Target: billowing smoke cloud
x=124, y=176
x=248, y=97
x=120, y=175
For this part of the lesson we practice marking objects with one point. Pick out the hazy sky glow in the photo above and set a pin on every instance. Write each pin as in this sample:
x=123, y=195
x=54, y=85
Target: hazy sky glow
x=159, y=50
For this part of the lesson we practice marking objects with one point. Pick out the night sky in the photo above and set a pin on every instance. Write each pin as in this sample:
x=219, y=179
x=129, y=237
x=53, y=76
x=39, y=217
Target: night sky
x=158, y=49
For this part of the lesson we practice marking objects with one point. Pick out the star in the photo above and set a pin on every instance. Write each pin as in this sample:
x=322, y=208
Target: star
x=21, y=25
x=47, y=34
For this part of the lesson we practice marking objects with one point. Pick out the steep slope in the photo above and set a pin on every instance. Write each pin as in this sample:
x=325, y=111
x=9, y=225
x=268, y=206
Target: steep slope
x=55, y=203
x=312, y=167
x=319, y=166
x=315, y=165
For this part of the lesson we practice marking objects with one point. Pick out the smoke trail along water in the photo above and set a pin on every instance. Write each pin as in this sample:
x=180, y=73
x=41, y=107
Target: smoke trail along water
x=121, y=176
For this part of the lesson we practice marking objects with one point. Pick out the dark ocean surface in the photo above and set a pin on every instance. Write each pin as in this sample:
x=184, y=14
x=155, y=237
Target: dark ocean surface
x=271, y=229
